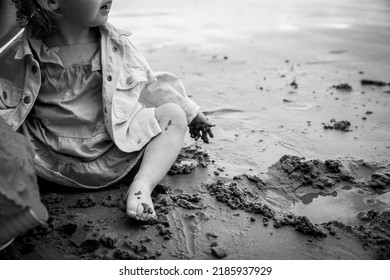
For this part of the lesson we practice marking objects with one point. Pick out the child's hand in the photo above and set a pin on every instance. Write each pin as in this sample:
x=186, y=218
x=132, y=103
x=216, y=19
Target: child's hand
x=200, y=127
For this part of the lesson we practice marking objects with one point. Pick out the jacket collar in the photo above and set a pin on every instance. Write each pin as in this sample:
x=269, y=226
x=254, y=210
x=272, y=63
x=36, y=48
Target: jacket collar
x=112, y=31
x=24, y=48
x=38, y=46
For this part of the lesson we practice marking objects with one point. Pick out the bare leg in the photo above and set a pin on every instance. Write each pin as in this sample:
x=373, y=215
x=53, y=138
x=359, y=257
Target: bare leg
x=160, y=153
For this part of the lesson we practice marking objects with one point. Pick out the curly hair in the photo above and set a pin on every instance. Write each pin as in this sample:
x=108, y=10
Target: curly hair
x=36, y=15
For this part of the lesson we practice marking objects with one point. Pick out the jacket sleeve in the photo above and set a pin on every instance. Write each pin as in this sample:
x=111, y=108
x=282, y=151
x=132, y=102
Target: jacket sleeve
x=12, y=77
x=162, y=87
x=168, y=88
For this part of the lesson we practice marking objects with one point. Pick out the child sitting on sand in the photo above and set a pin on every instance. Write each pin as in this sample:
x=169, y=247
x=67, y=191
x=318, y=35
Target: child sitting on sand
x=89, y=103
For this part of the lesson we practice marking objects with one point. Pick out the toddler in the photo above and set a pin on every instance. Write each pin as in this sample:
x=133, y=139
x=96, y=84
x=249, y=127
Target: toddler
x=89, y=103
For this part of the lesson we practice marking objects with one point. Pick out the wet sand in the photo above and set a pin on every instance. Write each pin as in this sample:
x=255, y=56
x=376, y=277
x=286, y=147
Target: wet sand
x=284, y=177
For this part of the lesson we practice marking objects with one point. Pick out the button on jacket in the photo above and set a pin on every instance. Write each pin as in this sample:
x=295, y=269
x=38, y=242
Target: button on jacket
x=130, y=89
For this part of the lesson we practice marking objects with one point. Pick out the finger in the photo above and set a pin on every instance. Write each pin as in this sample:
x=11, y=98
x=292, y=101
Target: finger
x=193, y=133
x=204, y=130
x=204, y=135
x=209, y=132
x=209, y=123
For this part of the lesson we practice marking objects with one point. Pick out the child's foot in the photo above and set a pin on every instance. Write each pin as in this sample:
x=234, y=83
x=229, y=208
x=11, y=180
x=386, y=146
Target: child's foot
x=139, y=204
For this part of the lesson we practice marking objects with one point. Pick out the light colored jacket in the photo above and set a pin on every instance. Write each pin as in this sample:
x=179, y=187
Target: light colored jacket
x=129, y=86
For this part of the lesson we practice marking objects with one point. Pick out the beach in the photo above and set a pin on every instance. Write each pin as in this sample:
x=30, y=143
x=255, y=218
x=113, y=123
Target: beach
x=299, y=167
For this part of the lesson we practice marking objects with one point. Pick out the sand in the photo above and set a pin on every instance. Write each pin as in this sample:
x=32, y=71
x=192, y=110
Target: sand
x=275, y=182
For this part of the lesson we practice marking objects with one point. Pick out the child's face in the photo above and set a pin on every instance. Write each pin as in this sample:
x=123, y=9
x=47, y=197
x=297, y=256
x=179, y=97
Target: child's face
x=85, y=13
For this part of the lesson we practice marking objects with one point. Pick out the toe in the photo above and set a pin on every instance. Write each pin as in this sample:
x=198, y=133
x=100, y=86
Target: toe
x=140, y=211
x=146, y=212
x=150, y=216
x=131, y=213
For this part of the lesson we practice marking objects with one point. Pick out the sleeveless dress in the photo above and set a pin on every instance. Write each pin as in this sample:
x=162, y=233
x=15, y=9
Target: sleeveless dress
x=66, y=125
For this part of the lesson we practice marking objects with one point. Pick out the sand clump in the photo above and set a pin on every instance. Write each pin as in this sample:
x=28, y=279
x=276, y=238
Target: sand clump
x=187, y=201
x=189, y=158
x=366, y=82
x=375, y=233
x=84, y=202
x=52, y=198
x=109, y=240
x=110, y=201
x=235, y=197
x=295, y=172
x=343, y=87
x=379, y=181
x=219, y=252
x=368, y=215
x=338, y=125
x=179, y=168
x=301, y=224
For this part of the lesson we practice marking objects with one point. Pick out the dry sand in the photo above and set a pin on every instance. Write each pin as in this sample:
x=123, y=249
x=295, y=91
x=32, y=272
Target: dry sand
x=299, y=167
